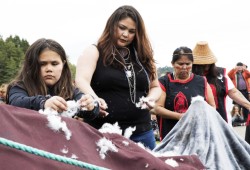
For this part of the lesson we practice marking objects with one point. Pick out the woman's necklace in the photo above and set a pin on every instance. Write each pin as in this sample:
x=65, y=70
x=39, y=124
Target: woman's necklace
x=123, y=52
x=128, y=69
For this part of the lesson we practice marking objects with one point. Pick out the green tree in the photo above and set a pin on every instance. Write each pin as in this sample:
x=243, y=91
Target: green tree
x=19, y=43
x=163, y=70
x=11, y=57
x=73, y=70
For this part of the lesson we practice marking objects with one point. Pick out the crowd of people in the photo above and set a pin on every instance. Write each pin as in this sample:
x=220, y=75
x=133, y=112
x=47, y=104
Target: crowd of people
x=116, y=81
x=240, y=76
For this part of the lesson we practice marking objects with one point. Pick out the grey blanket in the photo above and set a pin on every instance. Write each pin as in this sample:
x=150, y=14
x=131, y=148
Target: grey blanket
x=203, y=132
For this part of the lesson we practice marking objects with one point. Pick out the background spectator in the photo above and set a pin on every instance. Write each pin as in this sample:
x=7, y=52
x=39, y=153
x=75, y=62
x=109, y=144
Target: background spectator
x=3, y=89
x=240, y=76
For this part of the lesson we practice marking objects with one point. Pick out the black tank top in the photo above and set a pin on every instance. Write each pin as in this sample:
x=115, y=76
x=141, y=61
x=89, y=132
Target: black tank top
x=179, y=95
x=111, y=84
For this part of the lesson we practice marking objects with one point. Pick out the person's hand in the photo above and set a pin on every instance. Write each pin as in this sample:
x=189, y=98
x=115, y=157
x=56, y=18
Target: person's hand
x=244, y=67
x=103, y=106
x=87, y=102
x=152, y=112
x=150, y=102
x=153, y=117
x=146, y=103
x=56, y=103
x=180, y=116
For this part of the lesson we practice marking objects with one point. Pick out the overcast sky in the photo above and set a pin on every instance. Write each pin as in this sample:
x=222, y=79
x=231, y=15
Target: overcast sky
x=76, y=24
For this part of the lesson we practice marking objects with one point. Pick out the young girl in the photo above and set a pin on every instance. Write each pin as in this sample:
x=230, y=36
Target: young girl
x=45, y=82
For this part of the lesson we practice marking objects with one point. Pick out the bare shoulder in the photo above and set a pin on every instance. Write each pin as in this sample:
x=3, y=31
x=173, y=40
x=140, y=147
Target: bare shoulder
x=90, y=52
x=91, y=49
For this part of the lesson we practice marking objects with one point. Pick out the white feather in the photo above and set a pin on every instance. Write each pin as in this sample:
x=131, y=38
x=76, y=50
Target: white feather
x=105, y=145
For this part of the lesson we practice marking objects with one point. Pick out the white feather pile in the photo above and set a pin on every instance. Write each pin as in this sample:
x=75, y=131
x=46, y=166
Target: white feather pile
x=126, y=143
x=72, y=108
x=48, y=111
x=109, y=128
x=143, y=103
x=73, y=156
x=105, y=145
x=128, y=132
x=54, y=120
x=64, y=150
x=115, y=128
x=55, y=123
x=171, y=162
x=66, y=130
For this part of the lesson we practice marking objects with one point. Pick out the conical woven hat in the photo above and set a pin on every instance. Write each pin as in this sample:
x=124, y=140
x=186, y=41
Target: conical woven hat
x=202, y=54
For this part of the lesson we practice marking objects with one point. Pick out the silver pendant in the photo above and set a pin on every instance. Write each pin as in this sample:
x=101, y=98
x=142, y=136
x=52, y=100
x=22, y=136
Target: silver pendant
x=128, y=73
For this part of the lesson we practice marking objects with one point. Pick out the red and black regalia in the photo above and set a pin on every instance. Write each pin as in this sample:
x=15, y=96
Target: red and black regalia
x=178, y=97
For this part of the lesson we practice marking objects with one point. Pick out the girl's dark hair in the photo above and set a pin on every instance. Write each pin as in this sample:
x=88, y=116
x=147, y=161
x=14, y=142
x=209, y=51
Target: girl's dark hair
x=140, y=43
x=29, y=77
x=178, y=52
x=211, y=74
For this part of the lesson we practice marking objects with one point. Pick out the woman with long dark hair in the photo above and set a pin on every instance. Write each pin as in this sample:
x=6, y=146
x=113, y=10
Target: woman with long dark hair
x=119, y=71
x=221, y=84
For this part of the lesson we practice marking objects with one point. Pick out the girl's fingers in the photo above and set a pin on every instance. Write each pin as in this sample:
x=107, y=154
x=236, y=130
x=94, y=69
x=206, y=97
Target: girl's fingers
x=61, y=104
x=103, y=113
x=103, y=104
x=56, y=103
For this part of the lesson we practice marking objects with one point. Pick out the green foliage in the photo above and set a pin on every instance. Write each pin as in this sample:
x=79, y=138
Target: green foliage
x=73, y=70
x=163, y=70
x=11, y=57
x=19, y=43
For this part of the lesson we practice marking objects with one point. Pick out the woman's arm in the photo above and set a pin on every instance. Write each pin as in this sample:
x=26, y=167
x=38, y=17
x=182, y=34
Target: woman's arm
x=154, y=92
x=85, y=69
x=20, y=98
x=89, y=107
x=237, y=96
x=160, y=110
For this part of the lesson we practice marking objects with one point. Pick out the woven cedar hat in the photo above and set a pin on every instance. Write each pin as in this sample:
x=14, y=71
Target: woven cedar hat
x=202, y=54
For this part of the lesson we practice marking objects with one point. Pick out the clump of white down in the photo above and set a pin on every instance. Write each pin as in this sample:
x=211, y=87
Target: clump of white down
x=105, y=145
x=143, y=101
x=171, y=162
x=54, y=118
